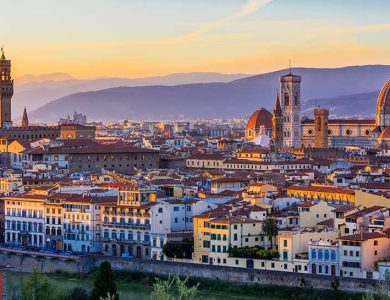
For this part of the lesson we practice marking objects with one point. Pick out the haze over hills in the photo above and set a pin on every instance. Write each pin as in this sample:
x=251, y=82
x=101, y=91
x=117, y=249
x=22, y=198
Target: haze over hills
x=230, y=99
x=34, y=91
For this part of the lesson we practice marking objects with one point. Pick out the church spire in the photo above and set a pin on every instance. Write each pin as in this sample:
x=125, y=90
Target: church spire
x=277, y=107
x=277, y=125
x=25, y=118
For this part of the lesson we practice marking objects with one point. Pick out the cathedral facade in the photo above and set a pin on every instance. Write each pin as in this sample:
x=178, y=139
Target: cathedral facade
x=290, y=130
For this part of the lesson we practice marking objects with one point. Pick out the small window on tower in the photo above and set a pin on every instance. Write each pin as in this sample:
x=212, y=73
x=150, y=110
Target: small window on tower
x=296, y=100
x=286, y=100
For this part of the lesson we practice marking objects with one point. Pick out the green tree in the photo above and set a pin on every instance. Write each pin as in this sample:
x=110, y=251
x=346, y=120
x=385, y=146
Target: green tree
x=37, y=287
x=104, y=283
x=270, y=228
x=78, y=293
x=179, y=249
x=109, y=297
x=174, y=289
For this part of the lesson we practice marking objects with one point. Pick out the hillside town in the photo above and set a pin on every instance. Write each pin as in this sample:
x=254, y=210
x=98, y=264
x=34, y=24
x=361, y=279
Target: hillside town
x=278, y=192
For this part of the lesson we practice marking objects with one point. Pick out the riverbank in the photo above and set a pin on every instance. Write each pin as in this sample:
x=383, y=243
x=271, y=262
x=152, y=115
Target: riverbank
x=138, y=285
x=290, y=281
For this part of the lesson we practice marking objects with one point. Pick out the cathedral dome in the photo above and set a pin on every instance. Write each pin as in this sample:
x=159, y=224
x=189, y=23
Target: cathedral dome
x=383, y=106
x=384, y=138
x=384, y=96
x=259, y=123
x=385, y=134
x=260, y=117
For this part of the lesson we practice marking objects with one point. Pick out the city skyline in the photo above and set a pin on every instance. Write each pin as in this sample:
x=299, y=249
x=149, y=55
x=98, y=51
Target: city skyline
x=148, y=38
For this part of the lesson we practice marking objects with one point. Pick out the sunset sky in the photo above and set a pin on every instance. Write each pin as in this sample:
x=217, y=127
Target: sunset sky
x=137, y=38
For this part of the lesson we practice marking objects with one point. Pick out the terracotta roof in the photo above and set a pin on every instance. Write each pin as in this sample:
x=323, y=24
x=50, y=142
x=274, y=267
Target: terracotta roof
x=207, y=156
x=343, y=121
x=328, y=223
x=386, y=132
x=375, y=185
x=364, y=211
x=343, y=209
x=362, y=236
x=90, y=149
x=323, y=189
x=260, y=117
x=230, y=179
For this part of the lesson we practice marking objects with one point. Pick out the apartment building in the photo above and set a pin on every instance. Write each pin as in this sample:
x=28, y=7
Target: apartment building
x=24, y=219
x=126, y=222
x=237, y=224
x=82, y=222
x=359, y=252
x=173, y=218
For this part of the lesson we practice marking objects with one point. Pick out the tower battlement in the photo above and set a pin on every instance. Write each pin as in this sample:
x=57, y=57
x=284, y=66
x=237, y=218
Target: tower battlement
x=6, y=91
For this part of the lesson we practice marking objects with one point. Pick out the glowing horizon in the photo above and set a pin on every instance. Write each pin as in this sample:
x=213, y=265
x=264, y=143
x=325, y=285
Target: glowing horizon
x=118, y=38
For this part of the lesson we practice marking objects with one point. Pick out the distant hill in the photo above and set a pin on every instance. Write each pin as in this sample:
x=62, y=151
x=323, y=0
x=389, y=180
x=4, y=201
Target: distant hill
x=346, y=106
x=34, y=91
x=215, y=100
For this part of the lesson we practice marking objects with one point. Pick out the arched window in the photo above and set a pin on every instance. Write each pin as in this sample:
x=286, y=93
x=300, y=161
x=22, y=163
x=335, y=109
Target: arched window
x=320, y=256
x=146, y=237
x=333, y=255
x=326, y=254
x=313, y=254
x=286, y=99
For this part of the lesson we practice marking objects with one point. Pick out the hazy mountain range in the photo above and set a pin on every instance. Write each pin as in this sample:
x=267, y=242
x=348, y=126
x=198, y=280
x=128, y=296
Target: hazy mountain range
x=33, y=91
x=348, y=91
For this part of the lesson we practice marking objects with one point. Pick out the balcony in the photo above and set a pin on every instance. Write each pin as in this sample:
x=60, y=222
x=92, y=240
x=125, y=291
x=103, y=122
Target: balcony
x=126, y=225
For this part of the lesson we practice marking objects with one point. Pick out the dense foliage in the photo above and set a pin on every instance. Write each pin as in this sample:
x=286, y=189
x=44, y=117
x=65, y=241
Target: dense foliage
x=218, y=288
x=254, y=252
x=37, y=287
x=179, y=249
x=174, y=289
x=104, y=283
x=270, y=228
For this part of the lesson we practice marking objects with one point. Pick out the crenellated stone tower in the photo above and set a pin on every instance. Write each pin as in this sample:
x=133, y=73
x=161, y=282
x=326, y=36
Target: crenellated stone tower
x=6, y=91
x=321, y=118
x=290, y=95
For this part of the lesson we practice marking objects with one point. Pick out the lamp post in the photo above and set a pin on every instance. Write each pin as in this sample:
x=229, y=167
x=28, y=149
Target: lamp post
x=3, y=281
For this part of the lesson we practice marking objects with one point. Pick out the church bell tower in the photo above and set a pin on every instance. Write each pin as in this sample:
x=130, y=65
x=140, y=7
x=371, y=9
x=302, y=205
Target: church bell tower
x=6, y=91
x=290, y=95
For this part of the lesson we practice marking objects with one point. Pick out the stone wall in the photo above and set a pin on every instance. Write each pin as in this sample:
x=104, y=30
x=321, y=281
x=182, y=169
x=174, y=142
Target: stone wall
x=241, y=275
x=27, y=263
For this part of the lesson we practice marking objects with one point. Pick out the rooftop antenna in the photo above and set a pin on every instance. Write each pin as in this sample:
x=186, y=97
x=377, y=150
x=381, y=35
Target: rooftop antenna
x=289, y=63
